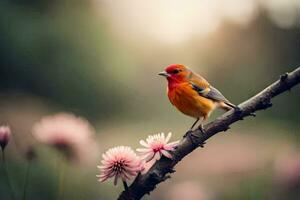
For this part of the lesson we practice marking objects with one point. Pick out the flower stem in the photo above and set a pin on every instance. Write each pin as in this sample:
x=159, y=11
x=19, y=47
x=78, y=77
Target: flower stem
x=7, y=176
x=26, y=180
x=125, y=186
x=61, y=170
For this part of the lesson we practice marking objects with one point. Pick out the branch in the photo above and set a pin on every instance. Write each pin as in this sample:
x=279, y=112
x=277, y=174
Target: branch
x=144, y=184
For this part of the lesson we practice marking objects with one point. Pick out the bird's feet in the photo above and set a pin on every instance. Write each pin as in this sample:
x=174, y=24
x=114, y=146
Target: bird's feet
x=188, y=133
x=201, y=128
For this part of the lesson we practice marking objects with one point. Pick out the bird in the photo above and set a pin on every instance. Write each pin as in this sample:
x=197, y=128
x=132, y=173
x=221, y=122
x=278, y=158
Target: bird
x=191, y=94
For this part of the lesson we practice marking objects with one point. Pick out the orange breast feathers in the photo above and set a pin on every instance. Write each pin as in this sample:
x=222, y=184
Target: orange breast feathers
x=189, y=102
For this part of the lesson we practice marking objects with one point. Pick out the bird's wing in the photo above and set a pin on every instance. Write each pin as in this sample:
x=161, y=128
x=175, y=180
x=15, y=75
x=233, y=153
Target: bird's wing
x=198, y=81
x=204, y=89
x=215, y=94
x=199, y=89
x=211, y=93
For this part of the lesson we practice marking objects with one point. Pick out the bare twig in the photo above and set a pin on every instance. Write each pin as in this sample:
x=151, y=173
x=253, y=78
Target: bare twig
x=144, y=184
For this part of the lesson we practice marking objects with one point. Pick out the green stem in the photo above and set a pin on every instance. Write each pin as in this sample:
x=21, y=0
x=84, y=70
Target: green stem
x=12, y=194
x=61, y=178
x=26, y=180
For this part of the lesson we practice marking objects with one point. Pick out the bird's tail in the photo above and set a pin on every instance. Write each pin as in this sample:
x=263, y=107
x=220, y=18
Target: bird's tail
x=227, y=105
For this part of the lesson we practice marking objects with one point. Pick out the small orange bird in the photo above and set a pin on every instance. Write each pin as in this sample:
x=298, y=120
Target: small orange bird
x=192, y=94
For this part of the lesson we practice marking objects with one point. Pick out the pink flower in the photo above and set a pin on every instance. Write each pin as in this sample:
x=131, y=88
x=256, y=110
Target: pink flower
x=66, y=132
x=119, y=162
x=156, y=146
x=4, y=136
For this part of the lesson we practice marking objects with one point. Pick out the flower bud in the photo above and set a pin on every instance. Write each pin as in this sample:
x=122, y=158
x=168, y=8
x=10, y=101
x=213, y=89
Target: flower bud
x=4, y=136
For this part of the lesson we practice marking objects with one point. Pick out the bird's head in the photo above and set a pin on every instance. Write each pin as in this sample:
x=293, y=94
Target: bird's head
x=176, y=73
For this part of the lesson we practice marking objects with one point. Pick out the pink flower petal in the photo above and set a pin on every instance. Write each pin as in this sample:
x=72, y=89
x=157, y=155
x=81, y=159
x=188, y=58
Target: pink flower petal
x=143, y=150
x=150, y=156
x=168, y=137
x=166, y=153
x=143, y=143
x=157, y=156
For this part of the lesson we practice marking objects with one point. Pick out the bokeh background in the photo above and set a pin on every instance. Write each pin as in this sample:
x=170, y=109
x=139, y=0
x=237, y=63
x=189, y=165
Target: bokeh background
x=99, y=59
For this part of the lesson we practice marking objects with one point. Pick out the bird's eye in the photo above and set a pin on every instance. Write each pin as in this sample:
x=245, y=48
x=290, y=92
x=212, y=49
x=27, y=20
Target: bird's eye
x=176, y=71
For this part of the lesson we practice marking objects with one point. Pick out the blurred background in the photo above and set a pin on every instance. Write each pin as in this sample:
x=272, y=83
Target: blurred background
x=99, y=59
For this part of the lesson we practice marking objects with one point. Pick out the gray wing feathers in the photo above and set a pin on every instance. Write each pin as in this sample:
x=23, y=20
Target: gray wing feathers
x=215, y=95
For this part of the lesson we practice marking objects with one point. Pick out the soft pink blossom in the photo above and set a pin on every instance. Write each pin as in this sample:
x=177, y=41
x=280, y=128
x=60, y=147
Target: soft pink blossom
x=66, y=132
x=156, y=146
x=119, y=162
x=4, y=136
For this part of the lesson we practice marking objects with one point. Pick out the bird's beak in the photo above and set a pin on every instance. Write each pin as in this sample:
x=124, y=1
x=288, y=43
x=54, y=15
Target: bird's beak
x=163, y=73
